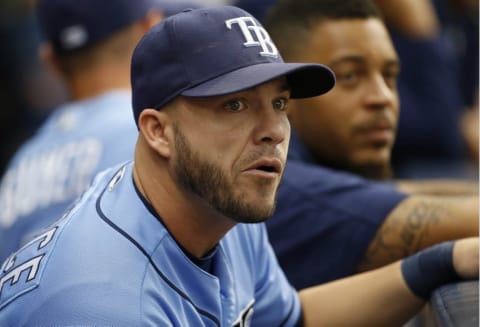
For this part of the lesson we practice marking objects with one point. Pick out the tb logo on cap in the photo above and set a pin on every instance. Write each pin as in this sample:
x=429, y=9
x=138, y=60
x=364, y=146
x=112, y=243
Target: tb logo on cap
x=259, y=37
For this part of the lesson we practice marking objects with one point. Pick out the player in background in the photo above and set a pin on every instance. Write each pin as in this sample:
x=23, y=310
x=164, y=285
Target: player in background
x=433, y=84
x=175, y=238
x=88, y=44
x=324, y=214
x=417, y=19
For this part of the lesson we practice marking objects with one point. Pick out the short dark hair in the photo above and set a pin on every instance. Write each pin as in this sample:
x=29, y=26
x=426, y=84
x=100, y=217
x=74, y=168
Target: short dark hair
x=289, y=22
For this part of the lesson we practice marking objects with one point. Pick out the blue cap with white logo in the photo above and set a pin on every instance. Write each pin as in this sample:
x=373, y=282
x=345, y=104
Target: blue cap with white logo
x=210, y=52
x=71, y=25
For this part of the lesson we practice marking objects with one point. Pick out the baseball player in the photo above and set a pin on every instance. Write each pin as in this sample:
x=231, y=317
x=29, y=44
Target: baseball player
x=359, y=135
x=429, y=143
x=175, y=238
x=89, y=43
x=333, y=212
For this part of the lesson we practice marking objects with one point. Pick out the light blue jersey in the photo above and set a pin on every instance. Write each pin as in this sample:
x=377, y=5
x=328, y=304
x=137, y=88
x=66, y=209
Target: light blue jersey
x=111, y=262
x=53, y=168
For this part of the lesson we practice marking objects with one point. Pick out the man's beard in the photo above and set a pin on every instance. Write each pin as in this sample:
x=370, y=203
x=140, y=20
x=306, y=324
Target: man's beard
x=379, y=172
x=208, y=181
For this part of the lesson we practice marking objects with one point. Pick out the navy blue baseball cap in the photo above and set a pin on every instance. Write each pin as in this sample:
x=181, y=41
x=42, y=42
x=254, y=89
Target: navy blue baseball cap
x=75, y=24
x=171, y=7
x=214, y=51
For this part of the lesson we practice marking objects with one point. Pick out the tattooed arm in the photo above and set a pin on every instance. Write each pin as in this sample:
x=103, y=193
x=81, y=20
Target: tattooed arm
x=418, y=222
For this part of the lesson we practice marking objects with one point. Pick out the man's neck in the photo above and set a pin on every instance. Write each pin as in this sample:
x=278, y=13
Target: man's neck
x=98, y=81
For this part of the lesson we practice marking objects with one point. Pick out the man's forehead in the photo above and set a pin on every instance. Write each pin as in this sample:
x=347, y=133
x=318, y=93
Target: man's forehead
x=345, y=32
x=351, y=40
x=361, y=59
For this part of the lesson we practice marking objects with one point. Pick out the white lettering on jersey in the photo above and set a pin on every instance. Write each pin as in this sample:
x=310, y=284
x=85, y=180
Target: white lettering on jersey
x=14, y=275
x=259, y=37
x=44, y=239
x=48, y=178
x=31, y=266
x=245, y=318
x=117, y=178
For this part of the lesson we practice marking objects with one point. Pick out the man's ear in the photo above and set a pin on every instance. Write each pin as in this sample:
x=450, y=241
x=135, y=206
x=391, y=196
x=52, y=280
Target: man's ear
x=48, y=58
x=152, y=18
x=156, y=128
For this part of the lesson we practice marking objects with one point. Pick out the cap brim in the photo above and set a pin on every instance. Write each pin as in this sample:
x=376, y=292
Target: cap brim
x=305, y=80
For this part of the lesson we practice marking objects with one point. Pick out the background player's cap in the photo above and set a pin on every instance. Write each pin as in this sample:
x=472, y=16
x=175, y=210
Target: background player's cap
x=75, y=24
x=171, y=7
x=213, y=51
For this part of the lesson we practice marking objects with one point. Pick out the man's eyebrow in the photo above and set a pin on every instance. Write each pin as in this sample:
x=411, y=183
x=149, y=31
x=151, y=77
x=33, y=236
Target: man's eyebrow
x=360, y=60
x=285, y=87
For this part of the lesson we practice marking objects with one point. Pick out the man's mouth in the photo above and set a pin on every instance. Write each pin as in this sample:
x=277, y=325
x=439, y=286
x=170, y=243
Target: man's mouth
x=268, y=165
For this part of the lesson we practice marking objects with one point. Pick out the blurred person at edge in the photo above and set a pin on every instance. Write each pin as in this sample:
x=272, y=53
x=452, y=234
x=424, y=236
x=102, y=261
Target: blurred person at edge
x=88, y=45
x=28, y=91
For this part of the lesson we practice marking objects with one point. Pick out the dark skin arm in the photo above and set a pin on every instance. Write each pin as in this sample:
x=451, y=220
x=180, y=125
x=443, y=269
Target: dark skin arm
x=410, y=17
x=376, y=298
x=418, y=222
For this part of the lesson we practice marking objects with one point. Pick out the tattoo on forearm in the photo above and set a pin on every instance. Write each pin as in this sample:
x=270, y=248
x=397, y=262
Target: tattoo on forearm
x=418, y=225
x=404, y=233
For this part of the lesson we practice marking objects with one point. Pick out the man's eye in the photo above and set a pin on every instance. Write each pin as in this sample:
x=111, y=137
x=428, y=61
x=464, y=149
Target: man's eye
x=391, y=78
x=235, y=105
x=348, y=78
x=280, y=104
